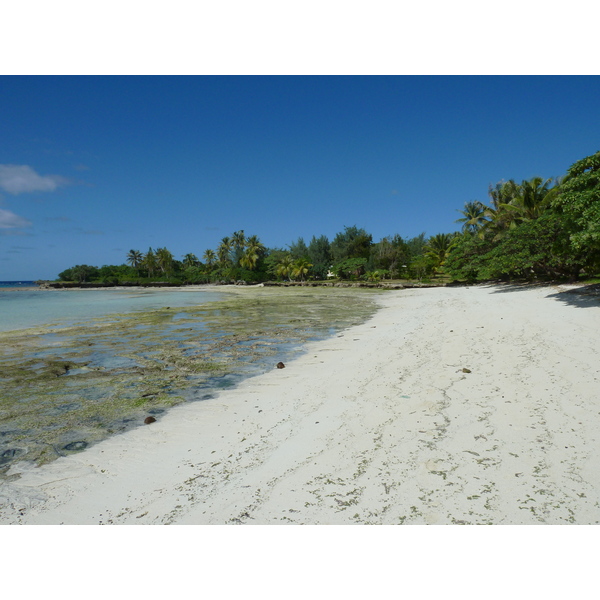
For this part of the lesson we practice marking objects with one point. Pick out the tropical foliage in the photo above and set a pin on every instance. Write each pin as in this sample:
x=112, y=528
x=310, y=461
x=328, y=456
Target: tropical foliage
x=80, y=273
x=474, y=216
x=579, y=203
x=538, y=228
x=135, y=258
x=438, y=247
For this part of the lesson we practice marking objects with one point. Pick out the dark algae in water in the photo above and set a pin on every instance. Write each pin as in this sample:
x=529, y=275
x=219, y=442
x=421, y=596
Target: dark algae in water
x=63, y=389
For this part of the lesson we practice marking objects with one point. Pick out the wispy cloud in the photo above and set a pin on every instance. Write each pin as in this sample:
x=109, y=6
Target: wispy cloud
x=19, y=179
x=9, y=220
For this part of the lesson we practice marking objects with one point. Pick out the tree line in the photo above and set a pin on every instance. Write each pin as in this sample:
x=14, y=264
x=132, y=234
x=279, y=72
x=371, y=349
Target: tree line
x=538, y=228
x=352, y=254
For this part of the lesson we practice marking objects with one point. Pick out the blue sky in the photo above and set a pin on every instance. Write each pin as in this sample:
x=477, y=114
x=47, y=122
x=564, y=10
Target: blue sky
x=91, y=166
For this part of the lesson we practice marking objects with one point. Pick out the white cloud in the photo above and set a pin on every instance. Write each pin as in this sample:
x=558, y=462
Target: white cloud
x=18, y=179
x=8, y=220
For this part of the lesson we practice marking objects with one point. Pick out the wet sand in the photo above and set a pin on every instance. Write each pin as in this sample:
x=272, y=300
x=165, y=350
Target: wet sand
x=475, y=405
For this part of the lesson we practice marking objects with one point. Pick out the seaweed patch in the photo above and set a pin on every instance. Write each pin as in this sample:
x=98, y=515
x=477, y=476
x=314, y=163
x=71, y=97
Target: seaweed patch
x=64, y=389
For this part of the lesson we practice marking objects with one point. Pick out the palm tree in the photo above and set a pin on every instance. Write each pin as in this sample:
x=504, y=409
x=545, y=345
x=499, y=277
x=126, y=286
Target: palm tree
x=503, y=193
x=209, y=258
x=533, y=197
x=300, y=268
x=474, y=216
x=164, y=258
x=254, y=251
x=224, y=251
x=190, y=260
x=500, y=216
x=254, y=242
x=285, y=266
x=238, y=239
x=135, y=258
x=238, y=243
x=149, y=262
x=373, y=275
x=438, y=246
x=514, y=203
x=249, y=258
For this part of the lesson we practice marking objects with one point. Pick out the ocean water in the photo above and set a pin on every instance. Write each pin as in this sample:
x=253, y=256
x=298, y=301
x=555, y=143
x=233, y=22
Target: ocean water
x=17, y=284
x=24, y=308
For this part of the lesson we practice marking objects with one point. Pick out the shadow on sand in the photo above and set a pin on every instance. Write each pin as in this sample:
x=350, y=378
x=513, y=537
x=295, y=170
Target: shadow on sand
x=585, y=296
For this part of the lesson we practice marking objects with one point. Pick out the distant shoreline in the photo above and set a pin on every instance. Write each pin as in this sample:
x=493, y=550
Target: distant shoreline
x=58, y=285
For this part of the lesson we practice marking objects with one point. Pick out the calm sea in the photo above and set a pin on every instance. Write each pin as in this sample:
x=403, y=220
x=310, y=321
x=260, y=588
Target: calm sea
x=22, y=308
x=17, y=284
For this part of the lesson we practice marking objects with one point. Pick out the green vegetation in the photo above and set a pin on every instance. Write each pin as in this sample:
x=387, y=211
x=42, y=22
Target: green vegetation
x=536, y=229
x=351, y=255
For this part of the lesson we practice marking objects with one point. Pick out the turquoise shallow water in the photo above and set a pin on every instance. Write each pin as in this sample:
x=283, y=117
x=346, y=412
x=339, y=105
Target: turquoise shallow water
x=22, y=308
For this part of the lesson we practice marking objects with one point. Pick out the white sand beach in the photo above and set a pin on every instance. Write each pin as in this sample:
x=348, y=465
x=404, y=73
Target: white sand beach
x=466, y=405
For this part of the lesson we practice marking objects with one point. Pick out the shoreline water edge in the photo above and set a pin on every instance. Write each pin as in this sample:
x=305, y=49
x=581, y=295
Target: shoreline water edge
x=470, y=405
x=68, y=385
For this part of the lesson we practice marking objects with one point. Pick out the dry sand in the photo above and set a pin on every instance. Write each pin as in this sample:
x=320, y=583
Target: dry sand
x=476, y=405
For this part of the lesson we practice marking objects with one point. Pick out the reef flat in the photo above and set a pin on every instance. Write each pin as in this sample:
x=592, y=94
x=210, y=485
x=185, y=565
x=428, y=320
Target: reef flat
x=67, y=387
